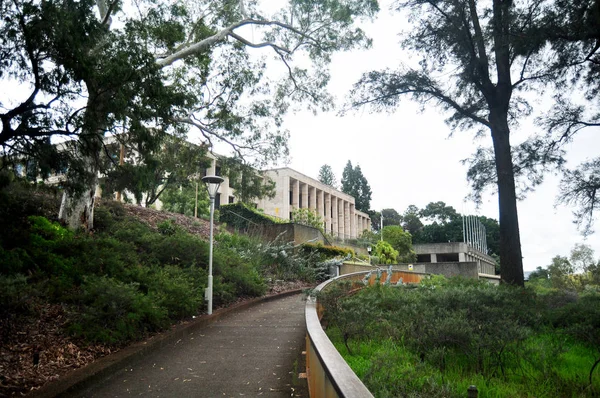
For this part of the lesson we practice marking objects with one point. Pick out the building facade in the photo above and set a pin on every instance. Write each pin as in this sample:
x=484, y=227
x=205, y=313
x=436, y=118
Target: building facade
x=455, y=252
x=294, y=190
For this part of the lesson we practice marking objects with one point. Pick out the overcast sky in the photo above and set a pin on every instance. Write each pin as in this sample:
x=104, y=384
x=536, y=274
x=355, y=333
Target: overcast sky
x=408, y=158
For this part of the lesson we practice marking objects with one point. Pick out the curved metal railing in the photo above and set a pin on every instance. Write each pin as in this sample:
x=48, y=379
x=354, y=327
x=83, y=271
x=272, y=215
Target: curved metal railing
x=327, y=372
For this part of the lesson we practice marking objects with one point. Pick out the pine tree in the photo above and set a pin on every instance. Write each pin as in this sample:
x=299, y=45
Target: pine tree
x=326, y=176
x=355, y=184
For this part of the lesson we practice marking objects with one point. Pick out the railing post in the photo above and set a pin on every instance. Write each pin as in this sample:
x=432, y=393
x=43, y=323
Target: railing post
x=472, y=392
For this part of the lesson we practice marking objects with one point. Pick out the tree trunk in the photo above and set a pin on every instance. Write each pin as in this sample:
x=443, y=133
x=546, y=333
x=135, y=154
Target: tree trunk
x=511, y=260
x=77, y=206
x=77, y=210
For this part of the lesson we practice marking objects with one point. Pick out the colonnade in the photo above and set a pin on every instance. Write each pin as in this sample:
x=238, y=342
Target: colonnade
x=340, y=216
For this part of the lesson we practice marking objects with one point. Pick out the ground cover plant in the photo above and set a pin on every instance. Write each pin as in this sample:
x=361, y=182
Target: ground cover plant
x=67, y=297
x=438, y=338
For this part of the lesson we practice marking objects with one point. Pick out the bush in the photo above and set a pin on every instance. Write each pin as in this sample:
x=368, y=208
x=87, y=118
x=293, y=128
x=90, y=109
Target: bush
x=115, y=312
x=327, y=251
x=242, y=217
x=179, y=291
x=15, y=300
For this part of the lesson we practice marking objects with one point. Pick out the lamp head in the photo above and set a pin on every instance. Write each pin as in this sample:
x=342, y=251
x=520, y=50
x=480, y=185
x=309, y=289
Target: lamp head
x=212, y=184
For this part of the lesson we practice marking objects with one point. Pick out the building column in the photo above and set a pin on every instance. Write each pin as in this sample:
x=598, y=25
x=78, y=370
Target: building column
x=341, y=223
x=433, y=257
x=312, y=198
x=335, y=218
x=304, y=193
x=212, y=169
x=327, y=202
x=321, y=204
x=347, y=231
x=321, y=207
x=284, y=212
x=352, y=221
x=224, y=190
x=295, y=194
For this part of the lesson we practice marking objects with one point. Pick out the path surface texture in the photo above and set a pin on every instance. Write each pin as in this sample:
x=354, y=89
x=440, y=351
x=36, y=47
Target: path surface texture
x=253, y=352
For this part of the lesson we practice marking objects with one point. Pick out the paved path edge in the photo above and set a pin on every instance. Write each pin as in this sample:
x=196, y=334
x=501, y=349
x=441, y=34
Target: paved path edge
x=87, y=375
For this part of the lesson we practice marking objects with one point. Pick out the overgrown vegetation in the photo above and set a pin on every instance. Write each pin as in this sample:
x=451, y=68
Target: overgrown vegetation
x=243, y=217
x=436, y=339
x=128, y=279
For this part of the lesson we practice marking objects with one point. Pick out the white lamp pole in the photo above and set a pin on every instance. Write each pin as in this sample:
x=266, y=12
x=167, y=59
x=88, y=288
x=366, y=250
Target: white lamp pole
x=212, y=185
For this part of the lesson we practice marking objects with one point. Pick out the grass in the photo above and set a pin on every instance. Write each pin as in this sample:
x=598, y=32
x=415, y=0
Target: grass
x=436, y=341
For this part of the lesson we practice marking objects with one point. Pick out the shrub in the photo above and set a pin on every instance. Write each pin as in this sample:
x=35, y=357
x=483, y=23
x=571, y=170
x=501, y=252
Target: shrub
x=386, y=253
x=179, y=291
x=15, y=296
x=241, y=216
x=167, y=227
x=327, y=251
x=115, y=312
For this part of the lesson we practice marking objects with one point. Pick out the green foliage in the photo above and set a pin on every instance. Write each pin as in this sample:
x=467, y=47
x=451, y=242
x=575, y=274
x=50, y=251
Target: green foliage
x=171, y=163
x=401, y=241
x=390, y=217
x=61, y=51
x=306, y=216
x=447, y=334
x=127, y=279
x=355, y=184
x=327, y=251
x=167, y=227
x=326, y=176
x=183, y=200
x=249, y=183
x=243, y=217
x=115, y=312
x=386, y=253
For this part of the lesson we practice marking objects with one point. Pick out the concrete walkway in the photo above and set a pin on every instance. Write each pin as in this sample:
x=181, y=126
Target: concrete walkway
x=253, y=352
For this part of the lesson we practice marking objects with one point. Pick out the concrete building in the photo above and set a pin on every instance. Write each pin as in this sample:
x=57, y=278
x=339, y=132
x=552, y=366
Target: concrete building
x=455, y=252
x=294, y=190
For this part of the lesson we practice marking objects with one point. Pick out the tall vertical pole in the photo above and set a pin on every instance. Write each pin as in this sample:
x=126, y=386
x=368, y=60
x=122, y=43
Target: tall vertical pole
x=209, y=291
x=480, y=236
x=381, y=218
x=196, y=202
x=463, y=225
x=485, y=240
x=473, y=234
x=469, y=231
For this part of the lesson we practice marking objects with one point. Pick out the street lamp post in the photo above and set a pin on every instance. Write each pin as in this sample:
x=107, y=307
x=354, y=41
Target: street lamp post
x=212, y=186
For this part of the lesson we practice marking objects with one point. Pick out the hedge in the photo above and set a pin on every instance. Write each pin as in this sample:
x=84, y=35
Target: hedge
x=241, y=216
x=328, y=251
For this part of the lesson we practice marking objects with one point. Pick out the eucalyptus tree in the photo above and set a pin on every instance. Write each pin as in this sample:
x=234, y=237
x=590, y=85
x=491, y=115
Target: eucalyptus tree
x=150, y=68
x=474, y=61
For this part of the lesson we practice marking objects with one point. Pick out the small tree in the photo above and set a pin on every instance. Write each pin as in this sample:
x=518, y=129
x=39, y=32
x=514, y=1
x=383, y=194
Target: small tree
x=401, y=241
x=386, y=253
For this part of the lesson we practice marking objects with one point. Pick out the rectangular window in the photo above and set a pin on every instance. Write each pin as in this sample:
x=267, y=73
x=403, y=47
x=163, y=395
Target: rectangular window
x=231, y=199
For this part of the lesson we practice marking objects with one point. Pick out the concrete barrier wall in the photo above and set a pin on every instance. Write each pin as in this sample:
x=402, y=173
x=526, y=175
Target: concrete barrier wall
x=293, y=233
x=464, y=269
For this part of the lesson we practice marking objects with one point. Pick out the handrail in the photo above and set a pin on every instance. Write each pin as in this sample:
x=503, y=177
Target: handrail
x=328, y=373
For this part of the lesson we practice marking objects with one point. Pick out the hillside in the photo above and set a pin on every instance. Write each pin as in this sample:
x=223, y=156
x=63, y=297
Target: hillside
x=68, y=298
